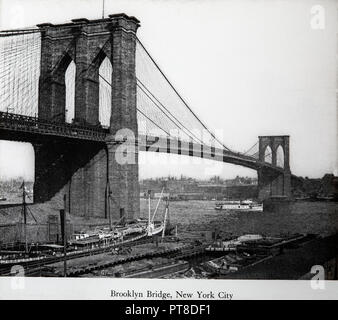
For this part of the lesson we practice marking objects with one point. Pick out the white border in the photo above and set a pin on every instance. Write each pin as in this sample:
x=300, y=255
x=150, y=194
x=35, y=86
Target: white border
x=23, y=288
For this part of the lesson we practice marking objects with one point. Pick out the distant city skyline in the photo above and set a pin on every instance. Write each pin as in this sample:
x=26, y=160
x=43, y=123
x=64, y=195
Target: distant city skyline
x=247, y=68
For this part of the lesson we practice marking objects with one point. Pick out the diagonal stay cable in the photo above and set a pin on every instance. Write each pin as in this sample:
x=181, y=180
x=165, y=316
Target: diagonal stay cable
x=141, y=111
x=161, y=104
x=180, y=97
x=154, y=123
x=246, y=152
x=188, y=133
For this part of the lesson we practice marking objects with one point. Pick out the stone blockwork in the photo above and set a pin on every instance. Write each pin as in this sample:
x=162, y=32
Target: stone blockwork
x=88, y=174
x=122, y=177
x=78, y=171
x=270, y=182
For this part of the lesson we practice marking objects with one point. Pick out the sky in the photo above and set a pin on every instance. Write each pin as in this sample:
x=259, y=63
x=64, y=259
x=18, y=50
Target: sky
x=246, y=68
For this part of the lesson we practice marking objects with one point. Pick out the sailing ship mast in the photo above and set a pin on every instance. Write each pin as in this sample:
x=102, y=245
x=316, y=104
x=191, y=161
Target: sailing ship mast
x=102, y=9
x=149, y=211
x=158, y=203
x=166, y=215
x=24, y=211
x=108, y=199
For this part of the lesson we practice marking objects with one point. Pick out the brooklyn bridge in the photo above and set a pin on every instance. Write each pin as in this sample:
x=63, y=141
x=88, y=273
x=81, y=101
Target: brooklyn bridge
x=89, y=97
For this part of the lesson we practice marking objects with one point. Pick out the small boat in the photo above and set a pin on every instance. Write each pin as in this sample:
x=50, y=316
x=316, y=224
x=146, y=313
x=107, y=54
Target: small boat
x=250, y=237
x=11, y=260
x=223, y=246
x=302, y=198
x=229, y=245
x=246, y=205
x=3, y=199
x=154, y=229
x=325, y=198
x=233, y=262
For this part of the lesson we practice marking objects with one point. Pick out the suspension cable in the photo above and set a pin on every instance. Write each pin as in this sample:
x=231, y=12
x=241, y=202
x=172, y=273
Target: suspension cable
x=180, y=97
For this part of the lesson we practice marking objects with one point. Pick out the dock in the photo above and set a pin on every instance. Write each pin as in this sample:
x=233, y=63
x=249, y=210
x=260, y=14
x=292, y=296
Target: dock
x=139, y=253
x=295, y=263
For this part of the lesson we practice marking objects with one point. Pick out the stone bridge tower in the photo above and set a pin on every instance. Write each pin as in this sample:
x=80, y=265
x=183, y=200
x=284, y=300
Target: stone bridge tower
x=270, y=182
x=94, y=183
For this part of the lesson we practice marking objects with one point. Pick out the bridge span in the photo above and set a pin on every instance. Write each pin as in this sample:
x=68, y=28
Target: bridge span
x=15, y=127
x=71, y=89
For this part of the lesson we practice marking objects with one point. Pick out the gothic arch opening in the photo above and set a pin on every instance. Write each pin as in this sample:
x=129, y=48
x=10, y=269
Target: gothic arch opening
x=268, y=154
x=105, y=80
x=70, y=92
x=280, y=157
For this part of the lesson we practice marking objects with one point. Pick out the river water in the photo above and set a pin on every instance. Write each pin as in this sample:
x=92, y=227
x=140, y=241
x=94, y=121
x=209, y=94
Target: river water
x=195, y=219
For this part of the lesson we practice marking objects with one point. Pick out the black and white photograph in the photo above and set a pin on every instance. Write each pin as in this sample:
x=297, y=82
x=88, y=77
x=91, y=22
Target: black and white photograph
x=148, y=147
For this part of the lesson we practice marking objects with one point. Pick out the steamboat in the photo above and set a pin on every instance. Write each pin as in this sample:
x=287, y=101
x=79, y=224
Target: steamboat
x=245, y=205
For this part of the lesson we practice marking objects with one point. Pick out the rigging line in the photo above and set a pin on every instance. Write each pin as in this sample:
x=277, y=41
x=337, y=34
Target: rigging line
x=31, y=212
x=158, y=203
x=138, y=40
x=167, y=110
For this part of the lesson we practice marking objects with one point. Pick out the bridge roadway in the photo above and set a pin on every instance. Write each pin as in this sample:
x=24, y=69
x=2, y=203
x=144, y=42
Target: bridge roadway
x=21, y=128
